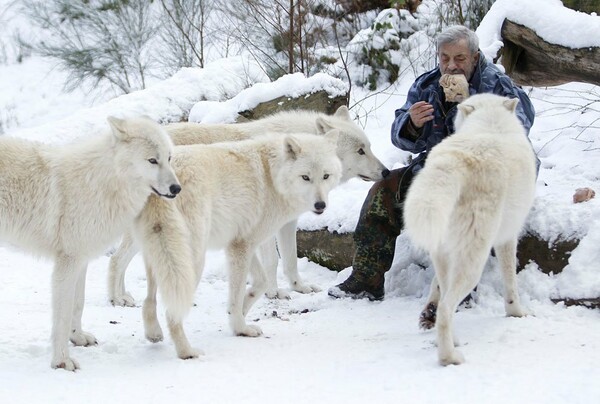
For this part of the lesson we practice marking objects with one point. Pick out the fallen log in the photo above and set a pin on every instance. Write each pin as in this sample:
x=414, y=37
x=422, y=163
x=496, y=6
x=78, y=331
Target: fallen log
x=335, y=251
x=593, y=303
x=530, y=60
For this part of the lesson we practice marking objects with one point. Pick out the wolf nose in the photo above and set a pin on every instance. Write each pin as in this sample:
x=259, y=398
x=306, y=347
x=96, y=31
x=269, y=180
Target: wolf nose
x=320, y=206
x=175, y=189
x=385, y=173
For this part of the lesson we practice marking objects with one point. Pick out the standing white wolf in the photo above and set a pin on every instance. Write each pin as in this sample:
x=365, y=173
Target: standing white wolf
x=71, y=202
x=353, y=149
x=235, y=195
x=473, y=194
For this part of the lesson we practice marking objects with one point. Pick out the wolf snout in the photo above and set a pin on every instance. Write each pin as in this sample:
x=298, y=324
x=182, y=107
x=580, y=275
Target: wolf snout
x=374, y=175
x=320, y=207
x=174, y=189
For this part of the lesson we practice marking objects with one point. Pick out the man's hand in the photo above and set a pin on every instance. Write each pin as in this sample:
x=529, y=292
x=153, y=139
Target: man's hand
x=420, y=112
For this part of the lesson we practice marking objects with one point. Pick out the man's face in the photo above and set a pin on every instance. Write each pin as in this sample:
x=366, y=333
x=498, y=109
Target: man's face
x=455, y=58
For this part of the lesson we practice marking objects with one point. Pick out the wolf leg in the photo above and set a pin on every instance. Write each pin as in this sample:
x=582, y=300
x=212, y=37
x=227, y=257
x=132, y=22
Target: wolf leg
x=119, y=261
x=507, y=254
x=239, y=258
x=151, y=325
x=288, y=247
x=64, y=280
x=269, y=259
x=463, y=272
x=78, y=336
x=182, y=345
x=258, y=286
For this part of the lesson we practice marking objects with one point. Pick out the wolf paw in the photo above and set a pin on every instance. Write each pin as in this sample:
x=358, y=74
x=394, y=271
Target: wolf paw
x=124, y=300
x=305, y=288
x=453, y=358
x=65, y=363
x=80, y=338
x=249, y=330
x=190, y=353
x=155, y=335
x=512, y=311
x=277, y=293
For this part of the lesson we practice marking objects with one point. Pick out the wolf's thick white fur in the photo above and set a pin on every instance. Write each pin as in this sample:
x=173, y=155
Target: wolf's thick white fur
x=353, y=149
x=235, y=196
x=473, y=195
x=69, y=203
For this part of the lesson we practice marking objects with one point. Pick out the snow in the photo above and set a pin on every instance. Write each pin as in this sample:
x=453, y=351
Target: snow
x=316, y=348
x=574, y=30
x=289, y=85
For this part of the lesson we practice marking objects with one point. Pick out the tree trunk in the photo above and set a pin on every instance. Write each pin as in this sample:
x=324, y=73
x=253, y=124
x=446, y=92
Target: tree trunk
x=531, y=61
x=291, y=40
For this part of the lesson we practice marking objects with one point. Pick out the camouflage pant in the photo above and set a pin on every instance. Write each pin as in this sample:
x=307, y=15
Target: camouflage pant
x=379, y=225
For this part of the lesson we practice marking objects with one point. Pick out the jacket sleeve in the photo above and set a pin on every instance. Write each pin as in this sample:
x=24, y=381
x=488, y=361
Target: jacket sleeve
x=405, y=137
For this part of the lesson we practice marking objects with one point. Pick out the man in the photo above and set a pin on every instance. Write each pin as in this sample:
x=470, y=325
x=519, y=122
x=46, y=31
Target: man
x=420, y=124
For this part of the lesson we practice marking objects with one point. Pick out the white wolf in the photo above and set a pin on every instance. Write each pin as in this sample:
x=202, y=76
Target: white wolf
x=473, y=194
x=71, y=202
x=235, y=195
x=353, y=149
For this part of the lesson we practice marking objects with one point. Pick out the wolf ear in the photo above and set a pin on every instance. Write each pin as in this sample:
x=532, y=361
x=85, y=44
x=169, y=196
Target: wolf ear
x=465, y=109
x=291, y=147
x=118, y=127
x=511, y=104
x=342, y=112
x=333, y=135
x=322, y=125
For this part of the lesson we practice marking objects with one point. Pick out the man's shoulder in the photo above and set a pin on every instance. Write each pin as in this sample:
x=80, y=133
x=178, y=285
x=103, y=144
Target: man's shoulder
x=428, y=78
x=492, y=77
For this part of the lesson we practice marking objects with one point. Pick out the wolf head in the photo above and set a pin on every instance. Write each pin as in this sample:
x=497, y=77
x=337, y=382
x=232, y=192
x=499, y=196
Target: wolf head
x=308, y=168
x=143, y=149
x=491, y=105
x=353, y=147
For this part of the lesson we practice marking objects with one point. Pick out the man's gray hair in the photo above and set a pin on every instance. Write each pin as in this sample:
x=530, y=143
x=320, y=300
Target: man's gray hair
x=456, y=33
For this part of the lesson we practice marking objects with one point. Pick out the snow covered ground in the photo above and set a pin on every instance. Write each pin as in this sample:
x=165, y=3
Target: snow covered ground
x=315, y=348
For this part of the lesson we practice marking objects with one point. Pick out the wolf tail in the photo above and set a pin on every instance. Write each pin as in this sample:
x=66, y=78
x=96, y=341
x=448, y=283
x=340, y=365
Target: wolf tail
x=429, y=203
x=168, y=257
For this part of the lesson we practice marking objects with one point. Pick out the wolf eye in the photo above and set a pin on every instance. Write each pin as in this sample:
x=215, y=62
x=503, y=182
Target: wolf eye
x=169, y=159
x=305, y=178
x=326, y=176
x=361, y=151
x=152, y=161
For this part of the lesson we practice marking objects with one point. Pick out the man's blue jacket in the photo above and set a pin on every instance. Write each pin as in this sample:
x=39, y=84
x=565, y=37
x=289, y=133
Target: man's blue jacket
x=487, y=78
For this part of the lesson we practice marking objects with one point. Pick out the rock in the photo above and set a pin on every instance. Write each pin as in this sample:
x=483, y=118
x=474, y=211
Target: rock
x=319, y=101
x=335, y=251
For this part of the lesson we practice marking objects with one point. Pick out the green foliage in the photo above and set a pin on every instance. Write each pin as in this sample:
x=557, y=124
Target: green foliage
x=397, y=3
x=327, y=60
x=379, y=60
x=96, y=41
x=587, y=6
x=463, y=12
x=281, y=41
